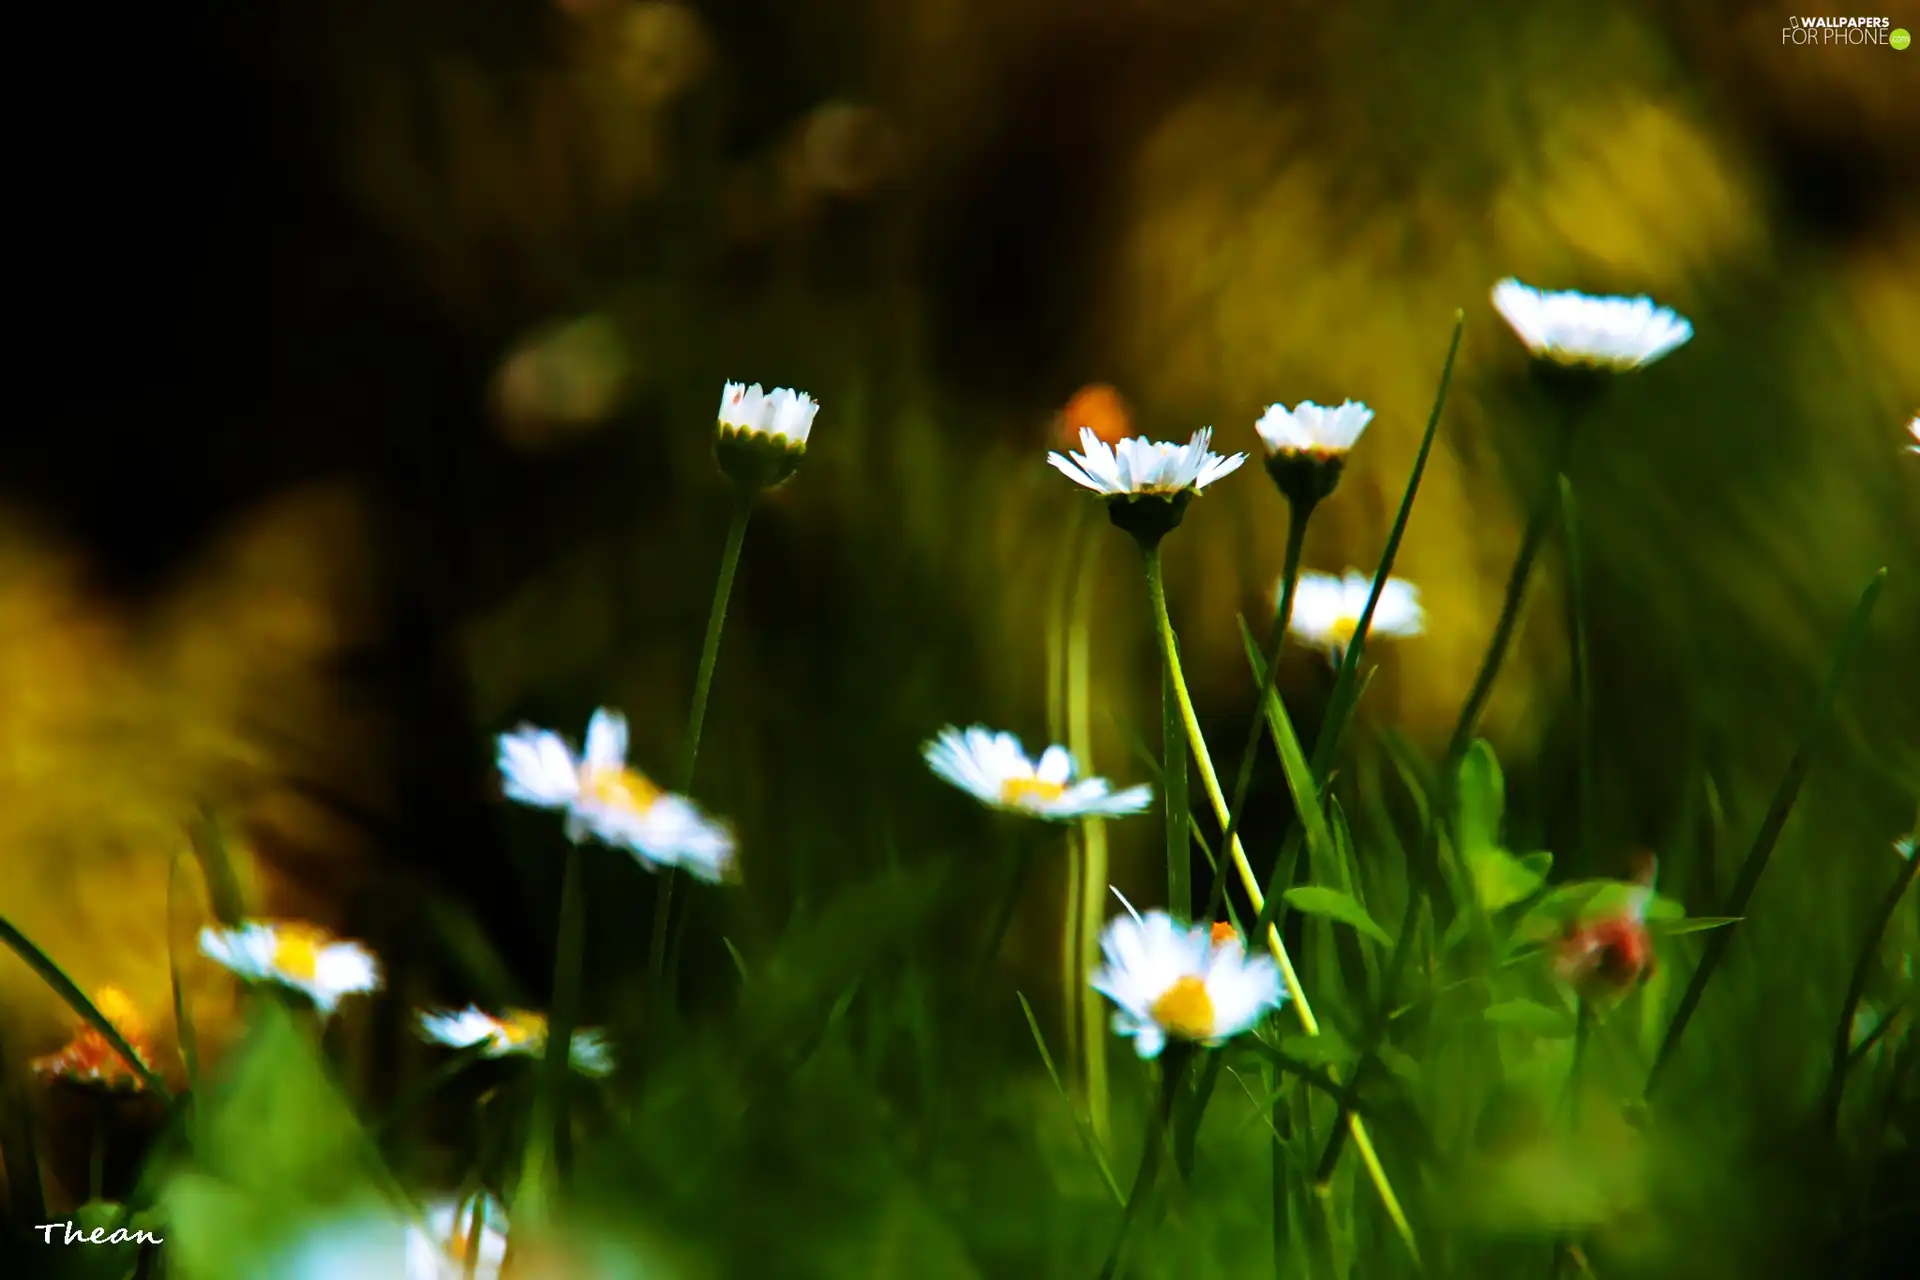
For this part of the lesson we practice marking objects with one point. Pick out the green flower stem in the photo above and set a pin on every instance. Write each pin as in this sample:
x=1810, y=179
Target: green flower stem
x=1173, y=1066
x=1170, y=657
x=1582, y=668
x=1771, y=826
x=1298, y=514
x=561, y=1019
x=696, y=718
x=1091, y=841
x=1843, y=1054
x=1019, y=858
x=1518, y=579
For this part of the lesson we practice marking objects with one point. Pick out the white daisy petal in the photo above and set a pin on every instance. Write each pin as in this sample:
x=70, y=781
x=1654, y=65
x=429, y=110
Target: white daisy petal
x=1913, y=429
x=1575, y=328
x=1138, y=467
x=1312, y=428
x=536, y=768
x=476, y=1228
x=606, y=740
x=1327, y=609
x=994, y=769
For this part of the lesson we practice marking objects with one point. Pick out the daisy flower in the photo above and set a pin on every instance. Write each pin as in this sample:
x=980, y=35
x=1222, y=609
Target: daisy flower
x=1168, y=979
x=995, y=770
x=88, y=1059
x=605, y=799
x=1578, y=329
x=1307, y=447
x=473, y=1233
x=1312, y=429
x=1327, y=609
x=1913, y=429
x=519, y=1033
x=762, y=435
x=303, y=957
x=1140, y=467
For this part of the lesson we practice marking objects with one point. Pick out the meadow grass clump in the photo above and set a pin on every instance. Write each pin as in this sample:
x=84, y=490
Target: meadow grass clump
x=1413, y=1047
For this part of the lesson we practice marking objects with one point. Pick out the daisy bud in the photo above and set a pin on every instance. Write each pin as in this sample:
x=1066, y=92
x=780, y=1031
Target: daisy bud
x=1307, y=446
x=762, y=435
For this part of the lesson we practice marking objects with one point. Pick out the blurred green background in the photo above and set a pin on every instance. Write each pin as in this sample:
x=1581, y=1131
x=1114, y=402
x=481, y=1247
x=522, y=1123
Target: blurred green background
x=372, y=361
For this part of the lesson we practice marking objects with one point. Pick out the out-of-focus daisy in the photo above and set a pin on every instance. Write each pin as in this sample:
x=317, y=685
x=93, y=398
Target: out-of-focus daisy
x=89, y=1060
x=1173, y=980
x=1581, y=330
x=519, y=1032
x=762, y=435
x=1913, y=429
x=1307, y=446
x=1098, y=408
x=466, y=1238
x=605, y=799
x=1146, y=483
x=994, y=769
x=303, y=957
x=1327, y=609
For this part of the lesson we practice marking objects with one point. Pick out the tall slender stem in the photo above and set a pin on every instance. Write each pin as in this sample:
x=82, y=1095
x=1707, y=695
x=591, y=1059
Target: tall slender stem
x=1582, y=667
x=1170, y=656
x=1173, y=1065
x=696, y=718
x=1298, y=514
x=568, y=953
x=1091, y=838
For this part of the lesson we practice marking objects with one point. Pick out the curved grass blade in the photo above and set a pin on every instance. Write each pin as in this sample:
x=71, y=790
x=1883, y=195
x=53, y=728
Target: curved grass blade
x=63, y=986
x=1771, y=827
x=1080, y=1126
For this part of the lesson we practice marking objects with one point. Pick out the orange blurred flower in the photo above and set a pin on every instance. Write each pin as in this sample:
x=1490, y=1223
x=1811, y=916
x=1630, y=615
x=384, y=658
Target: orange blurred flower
x=1223, y=933
x=1099, y=407
x=89, y=1059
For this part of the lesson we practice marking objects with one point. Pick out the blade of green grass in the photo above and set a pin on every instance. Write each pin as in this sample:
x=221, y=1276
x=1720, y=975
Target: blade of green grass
x=76, y=999
x=1080, y=1126
x=1770, y=828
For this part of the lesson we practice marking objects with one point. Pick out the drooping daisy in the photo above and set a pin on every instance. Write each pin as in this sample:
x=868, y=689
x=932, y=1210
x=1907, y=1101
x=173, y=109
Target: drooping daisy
x=89, y=1060
x=1581, y=330
x=470, y=1234
x=520, y=1032
x=995, y=770
x=1173, y=980
x=762, y=435
x=605, y=799
x=303, y=957
x=1327, y=609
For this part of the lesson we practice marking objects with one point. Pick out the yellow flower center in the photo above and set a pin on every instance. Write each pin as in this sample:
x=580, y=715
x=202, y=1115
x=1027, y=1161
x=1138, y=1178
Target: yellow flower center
x=1030, y=791
x=1223, y=933
x=1186, y=1010
x=618, y=787
x=1343, y=628
x=520, y=1029
x=296, y=951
